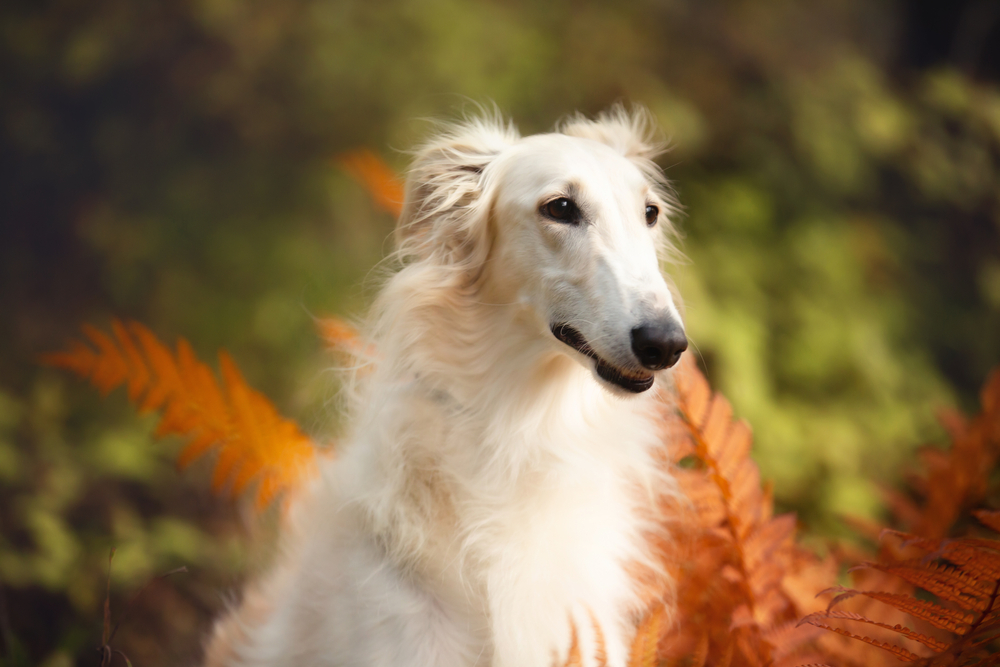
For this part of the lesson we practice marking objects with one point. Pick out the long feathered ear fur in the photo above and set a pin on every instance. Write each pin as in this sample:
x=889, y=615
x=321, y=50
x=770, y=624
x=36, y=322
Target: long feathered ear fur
x=632, y=133
x=446, y=210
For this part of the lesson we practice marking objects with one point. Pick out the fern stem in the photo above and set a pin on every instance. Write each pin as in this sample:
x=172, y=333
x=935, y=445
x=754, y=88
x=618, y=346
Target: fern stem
x=989, y=608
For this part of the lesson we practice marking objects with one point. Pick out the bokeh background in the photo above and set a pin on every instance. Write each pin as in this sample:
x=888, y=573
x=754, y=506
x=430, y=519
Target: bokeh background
x=174, y=161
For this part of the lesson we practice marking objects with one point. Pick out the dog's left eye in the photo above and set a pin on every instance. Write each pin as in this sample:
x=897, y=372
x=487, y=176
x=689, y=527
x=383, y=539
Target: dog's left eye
x=651, y=214
x=562, y=210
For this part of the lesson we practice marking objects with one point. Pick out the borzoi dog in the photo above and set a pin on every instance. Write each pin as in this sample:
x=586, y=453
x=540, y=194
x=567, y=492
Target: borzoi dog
x=498, y=490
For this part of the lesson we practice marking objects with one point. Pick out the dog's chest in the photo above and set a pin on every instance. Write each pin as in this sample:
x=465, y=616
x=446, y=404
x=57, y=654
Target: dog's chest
x=521, y=523
x=566, y=525
x=550, y=490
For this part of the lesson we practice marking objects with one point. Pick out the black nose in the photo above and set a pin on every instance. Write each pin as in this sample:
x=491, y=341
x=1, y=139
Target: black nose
x=658, y=345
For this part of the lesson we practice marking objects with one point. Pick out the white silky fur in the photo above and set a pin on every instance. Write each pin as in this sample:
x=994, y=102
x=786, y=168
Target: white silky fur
x=492, y=491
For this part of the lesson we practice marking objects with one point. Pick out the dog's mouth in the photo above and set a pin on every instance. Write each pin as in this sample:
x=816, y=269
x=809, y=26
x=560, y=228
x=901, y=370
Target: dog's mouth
x=634, y=382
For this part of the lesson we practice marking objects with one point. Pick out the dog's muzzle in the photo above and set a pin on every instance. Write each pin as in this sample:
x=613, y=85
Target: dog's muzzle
x=635, y=382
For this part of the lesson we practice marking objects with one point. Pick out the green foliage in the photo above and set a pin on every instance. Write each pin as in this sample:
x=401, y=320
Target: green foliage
x=75, y=486
x=819, y=284
x=172, y=162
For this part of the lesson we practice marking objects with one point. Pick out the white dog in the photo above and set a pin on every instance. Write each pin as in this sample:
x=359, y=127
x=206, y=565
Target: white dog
x=498, y=490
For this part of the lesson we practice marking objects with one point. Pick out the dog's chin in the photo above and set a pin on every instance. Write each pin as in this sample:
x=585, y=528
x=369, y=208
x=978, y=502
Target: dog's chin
x=630, y=383
x=621, y=381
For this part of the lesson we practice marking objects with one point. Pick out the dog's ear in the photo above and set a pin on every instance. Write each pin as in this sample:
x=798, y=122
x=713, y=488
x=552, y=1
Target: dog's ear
x=633, y=133
x=446, y=210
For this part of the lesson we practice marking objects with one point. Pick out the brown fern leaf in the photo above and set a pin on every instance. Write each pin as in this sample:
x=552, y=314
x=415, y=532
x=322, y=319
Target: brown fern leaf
x=788, y=637
x=337, y=333
x=972, y=557
x=972, y=649
x=766, y=538
x=704, y=495
x=344, y=338
x=254, y=443
x=735, y=578
x=378, y=179
x=972, y=618
x=110, y=368
x=647, y=639
x=575, y=656
x=956, y=479
x=699, y=656
x=906, y=511
x=964, y=574
x=600, y=646
x=806, y=659
x=943, y=581
x=900, y=652
x=927, y=641
x=726, y=655
x=752, y=649
x=989, y=518
x=80, y=358
x=953, y=620
x=268, y=447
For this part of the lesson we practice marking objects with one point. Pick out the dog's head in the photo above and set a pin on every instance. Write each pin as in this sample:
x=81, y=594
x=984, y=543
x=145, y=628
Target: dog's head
x=570, y=225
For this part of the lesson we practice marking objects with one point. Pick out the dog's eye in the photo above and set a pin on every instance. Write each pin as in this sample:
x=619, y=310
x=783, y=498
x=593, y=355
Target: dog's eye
x=562, y=210
x=651, y=214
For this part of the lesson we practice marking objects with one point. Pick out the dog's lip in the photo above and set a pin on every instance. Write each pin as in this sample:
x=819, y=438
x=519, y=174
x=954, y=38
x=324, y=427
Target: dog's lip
x=633, y=382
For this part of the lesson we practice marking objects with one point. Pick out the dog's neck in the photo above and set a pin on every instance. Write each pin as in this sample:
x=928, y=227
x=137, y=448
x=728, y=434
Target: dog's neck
x=488, y=361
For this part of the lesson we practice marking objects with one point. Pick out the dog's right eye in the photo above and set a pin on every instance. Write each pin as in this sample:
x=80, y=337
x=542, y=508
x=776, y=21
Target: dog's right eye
x=562, y=210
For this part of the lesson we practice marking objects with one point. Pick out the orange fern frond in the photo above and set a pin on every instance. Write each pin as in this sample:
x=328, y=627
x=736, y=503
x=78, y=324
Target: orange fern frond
x=973, y=557
x=946, y=582
x=766, y=538
x=788, y=639
x=575, y=656
x=929, y=642
x=743, y=572
x=956, y=479
x=378, y=179
x=254, y=443
x=962, y=575
x=644, y=646
x=968, y=610
x=699, y=656
x=80, y=358
x=343, y=337
x=990, y=519
x=953, y=620
x=600, y=645
x=898, y=651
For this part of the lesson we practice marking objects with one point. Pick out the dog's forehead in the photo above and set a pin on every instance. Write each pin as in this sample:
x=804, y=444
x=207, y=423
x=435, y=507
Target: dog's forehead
x=546, y=161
